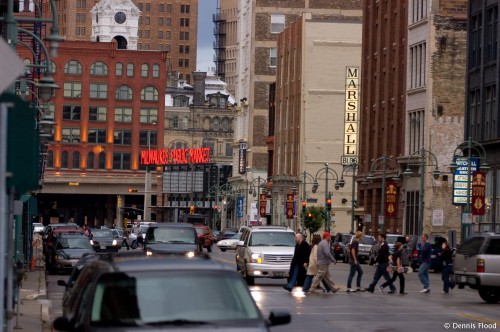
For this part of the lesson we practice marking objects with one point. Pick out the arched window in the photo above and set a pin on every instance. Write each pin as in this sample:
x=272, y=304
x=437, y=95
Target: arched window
x=130, y=70
x=123, y=92
x=73, y=67
x=64, y=159
x=225, y=124
x=175, y=121
x=185, y=122
x=156, y=71
x=149, y=93
x=119, y=69
x=144, y=70
x=75, y=161
x=178, y=145
x=102, y=160
x=99, y=68
x=216, y=123
x=53, y=67
x=50, y=159
x=90, y=160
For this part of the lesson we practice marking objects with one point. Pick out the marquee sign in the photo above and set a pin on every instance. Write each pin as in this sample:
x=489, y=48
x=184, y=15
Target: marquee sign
x=175, y=156
x=350, y=155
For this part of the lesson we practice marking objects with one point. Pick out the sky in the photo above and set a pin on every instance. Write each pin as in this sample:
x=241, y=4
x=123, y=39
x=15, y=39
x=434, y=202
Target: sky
x=205, y=55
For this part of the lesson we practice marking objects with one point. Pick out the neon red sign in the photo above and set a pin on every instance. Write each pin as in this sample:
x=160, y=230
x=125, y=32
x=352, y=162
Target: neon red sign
x=175, y=156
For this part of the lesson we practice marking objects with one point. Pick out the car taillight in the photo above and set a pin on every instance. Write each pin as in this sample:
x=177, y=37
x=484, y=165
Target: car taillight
x=480, y=265
x=415, y=253
x=337, y=248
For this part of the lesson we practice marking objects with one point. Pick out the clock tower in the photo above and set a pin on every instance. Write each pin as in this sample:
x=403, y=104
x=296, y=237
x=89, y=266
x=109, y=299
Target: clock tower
x=118, y=20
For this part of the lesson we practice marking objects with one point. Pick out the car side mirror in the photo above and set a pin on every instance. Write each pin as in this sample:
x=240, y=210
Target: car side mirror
x=240, y=244
x=279, y=318
x=61, y=283
x=62, y=324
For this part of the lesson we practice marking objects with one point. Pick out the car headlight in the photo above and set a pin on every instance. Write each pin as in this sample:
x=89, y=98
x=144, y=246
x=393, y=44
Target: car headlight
x=149, y=253
x=190, y=254
x=256, y=258
x=115, y=242
x=91, y=242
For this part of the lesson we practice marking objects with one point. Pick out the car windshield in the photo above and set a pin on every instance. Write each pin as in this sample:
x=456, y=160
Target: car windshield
x=76, y=243
x=284, y=239
x=140, y=229
x=368, y=240
x=117, y=232
x=171, y=235
x=102, y=233
x=236, y=236
x=391, y=239
x=145, y=298
x=471, y=246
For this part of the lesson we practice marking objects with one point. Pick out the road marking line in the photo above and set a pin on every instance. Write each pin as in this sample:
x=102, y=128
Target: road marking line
x=478, y=318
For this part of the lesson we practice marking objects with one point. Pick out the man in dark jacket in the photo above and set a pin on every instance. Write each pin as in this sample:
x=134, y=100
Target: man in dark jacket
x=299, y=263
x=383, y=263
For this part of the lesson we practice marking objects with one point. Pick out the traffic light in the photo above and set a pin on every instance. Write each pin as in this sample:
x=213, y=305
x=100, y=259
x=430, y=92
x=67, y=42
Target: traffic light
x=329, y=203
x=304, y=205
x=130, y=190
x=309, y=216
x=192, y=208
x=125, y=222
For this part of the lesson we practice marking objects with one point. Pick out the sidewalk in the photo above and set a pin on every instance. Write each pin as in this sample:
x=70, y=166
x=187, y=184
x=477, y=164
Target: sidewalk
x=34, y=305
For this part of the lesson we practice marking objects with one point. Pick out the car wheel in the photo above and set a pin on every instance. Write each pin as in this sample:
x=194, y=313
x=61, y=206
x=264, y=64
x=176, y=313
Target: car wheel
x=134, y=245
x=223, y=250
x=250, y=280
x=490, y=295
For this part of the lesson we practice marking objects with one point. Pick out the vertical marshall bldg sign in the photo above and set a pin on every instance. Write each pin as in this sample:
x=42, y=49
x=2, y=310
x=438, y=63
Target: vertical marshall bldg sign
x=351, y=116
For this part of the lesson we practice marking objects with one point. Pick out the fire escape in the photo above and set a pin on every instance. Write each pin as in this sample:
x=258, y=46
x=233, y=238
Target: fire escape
x=219, y=44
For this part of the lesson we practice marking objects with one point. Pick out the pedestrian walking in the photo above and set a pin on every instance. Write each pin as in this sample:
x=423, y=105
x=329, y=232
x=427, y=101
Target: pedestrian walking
x=398, y=270
x=354, y=264
x=423, y=270
x=324, y=259
x=312, y=267
x=447, y=259
x=300, y=259
x=382, y=262
x=125, y=239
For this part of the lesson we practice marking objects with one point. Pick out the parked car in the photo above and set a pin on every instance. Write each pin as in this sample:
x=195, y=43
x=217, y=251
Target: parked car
x=436, y=242
x=67, y=251
x=365, y=246
x=391, y=240
x=104, y=240
x=477, y=265
x=162, y=293
x=265, y=252
x=338, y=246
x=229, y=244
x=205, y=237
x=171, y=238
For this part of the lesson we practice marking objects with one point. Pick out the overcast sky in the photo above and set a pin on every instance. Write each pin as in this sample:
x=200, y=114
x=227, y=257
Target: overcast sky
x=205, y=56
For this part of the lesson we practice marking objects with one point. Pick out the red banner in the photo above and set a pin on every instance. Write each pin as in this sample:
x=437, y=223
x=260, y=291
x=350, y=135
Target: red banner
x=262, y=205
x=290, y=200
x=478, y=204
x=391, y=199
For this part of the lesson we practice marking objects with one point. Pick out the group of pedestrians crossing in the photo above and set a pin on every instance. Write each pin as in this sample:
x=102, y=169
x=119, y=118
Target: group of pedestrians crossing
x=310, y=266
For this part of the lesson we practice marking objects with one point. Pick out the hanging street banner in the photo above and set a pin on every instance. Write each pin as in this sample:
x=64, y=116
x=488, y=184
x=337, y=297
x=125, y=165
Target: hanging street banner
x=290, y=206
x=242, y=158
x=262, y=205
x=239, y=207
x=391, y=199
x=460, y=178
x=478, y=204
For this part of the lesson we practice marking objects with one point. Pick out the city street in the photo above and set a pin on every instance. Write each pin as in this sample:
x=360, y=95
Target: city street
x=462, y=308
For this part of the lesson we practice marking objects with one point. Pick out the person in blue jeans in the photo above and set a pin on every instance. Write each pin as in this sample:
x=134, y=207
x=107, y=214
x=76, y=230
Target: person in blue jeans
x=354, y=263
x=423, y=270
x=299, y=262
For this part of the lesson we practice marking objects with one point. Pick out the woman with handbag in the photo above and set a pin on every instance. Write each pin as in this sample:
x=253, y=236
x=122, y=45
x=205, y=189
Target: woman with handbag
x=397, y=268
x=447, y=259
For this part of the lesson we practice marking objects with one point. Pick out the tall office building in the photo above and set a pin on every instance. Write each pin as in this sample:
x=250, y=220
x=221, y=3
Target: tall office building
x=169, y=26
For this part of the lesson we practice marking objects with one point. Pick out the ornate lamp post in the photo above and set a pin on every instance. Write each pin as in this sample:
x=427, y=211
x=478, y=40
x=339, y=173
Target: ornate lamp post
x=326, y=173
x=382, y=162
x=469, y=150
x=423, y=155
x=305, y=178
x=258, y=183
x=350, y=168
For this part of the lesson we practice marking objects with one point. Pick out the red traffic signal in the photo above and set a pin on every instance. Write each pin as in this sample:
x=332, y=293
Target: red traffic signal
x=304, y=204
x=329, y=203
x=130, y=190
x=310, y=216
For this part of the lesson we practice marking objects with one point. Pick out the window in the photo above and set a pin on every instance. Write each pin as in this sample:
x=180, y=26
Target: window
x=73, y=67
x=90, y=160
x=97, y=113
x=277, y=23
x=99, y=69
x=72, y=90
x=490, y=107
x=149, y=93
x=80, y=31
x=416, y=132
x=75, y=163
x=181, y=62
x=147, y=20
x=181, y=101
x=144, y=70
x=216, y=123
x=119, y=69
x=475, y=25
x=72, y=112
x=50, y=111
x=123, y=92
x=168, y=22
x=70, y=135
x=130, y=70
x=122, y=137
x=121, y=160
x=184, y=35
x=185, y=9
x=148, y=138
x=169, y=8
x=64, y=159
x=475, y=113
x=272, y=57
x=186, y=63
x=161, y=8
x=225, y=124
x=160, y=20
x=149, y=115
x=156, y=71
x=123, y=114
x=185, y=122
x=148, y=7
x=418, y=10
x=98, y=91
x=160, y=34
x=229, y=149
x=146, y=33
x=184, y=22
x=168, y=36
x=175, y=121
x=181, y=48
x=102, y=161
x=97, y=136
x=50, y=159
x=490, y=53
x=53, y=67
x=417, y=65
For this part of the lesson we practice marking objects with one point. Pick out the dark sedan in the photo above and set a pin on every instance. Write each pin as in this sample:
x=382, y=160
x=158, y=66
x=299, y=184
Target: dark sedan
x=103, y=240
x=171, y=238
x=67, y=251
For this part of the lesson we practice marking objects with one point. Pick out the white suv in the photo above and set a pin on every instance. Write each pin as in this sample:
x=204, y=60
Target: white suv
x=265, y=252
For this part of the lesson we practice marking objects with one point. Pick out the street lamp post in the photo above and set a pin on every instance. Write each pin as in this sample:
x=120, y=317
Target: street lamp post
x=374, y=167
x=422, y=154
x=351, y=167
x=470, y=147
x=306, y=179
x=258, y=182
x=326, y=171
